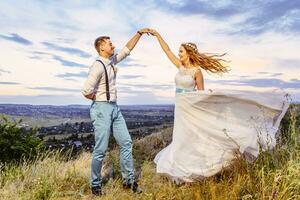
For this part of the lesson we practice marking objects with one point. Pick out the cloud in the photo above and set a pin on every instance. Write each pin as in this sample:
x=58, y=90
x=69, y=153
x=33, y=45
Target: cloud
x=270, y=74
x=295, y=25
x=244, y=76
x=63, y=25
x=276, y=74
x=132, y=65
x=149, y=86
x=9, y=83
x=129, y=62
x=39, y=55
x=263, y=72
x=72, y=75
x=67, y=63
x=66, y=40
x=142, y=98
x=130, y=76
x=215, y=10
x=2, y=71
x=70, y=79
x=124, y=88
x=290, y=63
x=35, y=57
x=44, y=99
x=54, y=89
x=255, y=17
x=71, y=51
x=271, y=15
x=17, y=38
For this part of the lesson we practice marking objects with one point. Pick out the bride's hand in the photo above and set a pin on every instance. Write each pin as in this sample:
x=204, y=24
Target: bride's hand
x=153, y=32
x=144, y=30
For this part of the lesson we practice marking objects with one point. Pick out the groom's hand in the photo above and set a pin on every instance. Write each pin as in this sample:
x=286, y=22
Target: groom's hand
x=144, y=30
x=153, y=32
x=90, y=96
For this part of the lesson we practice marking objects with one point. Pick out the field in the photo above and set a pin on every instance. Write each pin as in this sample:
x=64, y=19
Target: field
x=274, y=174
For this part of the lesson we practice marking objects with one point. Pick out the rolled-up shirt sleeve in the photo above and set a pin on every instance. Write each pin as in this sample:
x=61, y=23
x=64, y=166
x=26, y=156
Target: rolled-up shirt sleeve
x=94, y=75
x=121, y=55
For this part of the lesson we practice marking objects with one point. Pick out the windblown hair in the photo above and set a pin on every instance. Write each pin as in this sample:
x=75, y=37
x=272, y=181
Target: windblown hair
x=210, y=62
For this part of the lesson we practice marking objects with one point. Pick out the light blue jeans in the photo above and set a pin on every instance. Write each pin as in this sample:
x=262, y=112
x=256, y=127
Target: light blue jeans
x=106, y=118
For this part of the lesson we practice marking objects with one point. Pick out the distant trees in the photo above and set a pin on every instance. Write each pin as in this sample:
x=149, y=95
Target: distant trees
x=17, y=142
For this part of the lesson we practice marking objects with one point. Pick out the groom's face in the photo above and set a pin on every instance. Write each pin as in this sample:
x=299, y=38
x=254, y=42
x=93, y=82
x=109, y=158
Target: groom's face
x=107, y=47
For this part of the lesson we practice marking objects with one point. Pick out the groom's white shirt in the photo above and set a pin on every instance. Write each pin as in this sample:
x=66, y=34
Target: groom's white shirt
x=95, y=82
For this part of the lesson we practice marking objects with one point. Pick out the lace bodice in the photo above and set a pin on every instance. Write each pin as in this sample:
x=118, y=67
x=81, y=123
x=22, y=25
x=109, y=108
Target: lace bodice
x=184, y=78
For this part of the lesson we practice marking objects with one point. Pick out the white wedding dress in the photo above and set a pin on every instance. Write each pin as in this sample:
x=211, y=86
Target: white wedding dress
x=211, y=125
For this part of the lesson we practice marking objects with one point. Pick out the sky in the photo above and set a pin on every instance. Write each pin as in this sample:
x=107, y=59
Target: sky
x=46, y=47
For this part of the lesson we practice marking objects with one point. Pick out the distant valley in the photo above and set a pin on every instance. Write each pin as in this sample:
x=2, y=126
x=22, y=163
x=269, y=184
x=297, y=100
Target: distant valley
x=70, y=125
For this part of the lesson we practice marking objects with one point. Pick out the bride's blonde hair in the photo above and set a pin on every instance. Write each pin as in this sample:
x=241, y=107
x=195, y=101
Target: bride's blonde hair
x=209, y=62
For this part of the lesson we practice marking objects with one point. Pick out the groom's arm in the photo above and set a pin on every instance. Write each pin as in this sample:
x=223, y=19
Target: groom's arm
x=130, y=45
x=133, y=41
x=94, y=75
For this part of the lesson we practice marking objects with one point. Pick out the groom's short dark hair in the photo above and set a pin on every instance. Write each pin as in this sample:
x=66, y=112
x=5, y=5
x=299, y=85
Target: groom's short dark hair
x=99, y=41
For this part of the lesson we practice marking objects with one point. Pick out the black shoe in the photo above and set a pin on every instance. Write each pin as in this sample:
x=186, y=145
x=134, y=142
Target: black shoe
x=97, y=191
x=133, y=186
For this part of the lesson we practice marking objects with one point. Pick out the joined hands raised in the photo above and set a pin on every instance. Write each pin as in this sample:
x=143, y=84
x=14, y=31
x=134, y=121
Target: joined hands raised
x=148, y=31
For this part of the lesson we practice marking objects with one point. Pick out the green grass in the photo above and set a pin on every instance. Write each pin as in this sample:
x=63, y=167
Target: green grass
x=274, y=175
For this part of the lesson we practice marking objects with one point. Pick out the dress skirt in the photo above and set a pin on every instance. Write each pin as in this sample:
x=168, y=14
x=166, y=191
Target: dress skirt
x=211, y=126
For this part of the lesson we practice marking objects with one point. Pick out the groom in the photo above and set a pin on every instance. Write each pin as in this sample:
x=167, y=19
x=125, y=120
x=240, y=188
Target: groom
x=100, y=86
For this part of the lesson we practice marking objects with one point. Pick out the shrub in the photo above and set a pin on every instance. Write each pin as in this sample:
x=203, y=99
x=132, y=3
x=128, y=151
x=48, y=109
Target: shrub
x=18, y=143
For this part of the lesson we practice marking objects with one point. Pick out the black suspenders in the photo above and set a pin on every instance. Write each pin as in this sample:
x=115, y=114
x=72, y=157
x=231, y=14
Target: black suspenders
x=106, y=81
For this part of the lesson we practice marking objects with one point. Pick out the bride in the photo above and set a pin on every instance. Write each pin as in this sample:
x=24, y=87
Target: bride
x=210, y=126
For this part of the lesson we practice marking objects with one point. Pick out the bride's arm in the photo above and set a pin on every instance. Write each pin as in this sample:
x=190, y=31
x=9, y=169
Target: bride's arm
x=166, y=49
x=199, y=80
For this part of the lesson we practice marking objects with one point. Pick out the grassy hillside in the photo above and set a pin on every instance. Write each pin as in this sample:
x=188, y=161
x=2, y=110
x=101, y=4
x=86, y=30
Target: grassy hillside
x=274, y=175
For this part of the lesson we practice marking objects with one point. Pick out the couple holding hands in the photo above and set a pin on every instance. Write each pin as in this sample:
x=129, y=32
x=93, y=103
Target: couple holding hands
x=209, y=126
